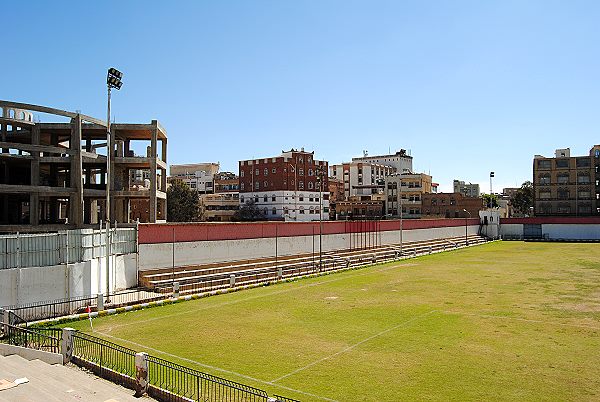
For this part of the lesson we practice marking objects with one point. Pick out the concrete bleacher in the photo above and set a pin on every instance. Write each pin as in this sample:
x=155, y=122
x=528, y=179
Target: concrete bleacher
x=198, y=278
x=55, y=382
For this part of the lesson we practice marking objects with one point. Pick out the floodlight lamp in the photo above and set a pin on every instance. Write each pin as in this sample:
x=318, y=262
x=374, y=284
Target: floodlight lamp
x=114, y=72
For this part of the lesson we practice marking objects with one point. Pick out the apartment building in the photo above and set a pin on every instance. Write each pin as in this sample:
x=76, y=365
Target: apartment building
x=291, y=186
x=401, y=160
x=450, y=205
x=54, y=175
x=404, y=192
x=219, y=207
x=567, y=185
x=198, y=176
x=466, y=189
x=361, y=207
x=361, y=178
x=226, y=182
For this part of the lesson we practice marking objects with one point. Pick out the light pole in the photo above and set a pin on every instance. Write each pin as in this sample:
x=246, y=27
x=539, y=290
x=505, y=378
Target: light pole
x=491, y=176
x=113, y=80
x=320, y=181
x=466, y=235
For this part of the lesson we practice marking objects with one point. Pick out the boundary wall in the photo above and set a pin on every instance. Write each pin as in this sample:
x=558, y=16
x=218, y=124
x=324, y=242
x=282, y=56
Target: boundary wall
x=33, y=284
x=167, y=245
x=553, y=228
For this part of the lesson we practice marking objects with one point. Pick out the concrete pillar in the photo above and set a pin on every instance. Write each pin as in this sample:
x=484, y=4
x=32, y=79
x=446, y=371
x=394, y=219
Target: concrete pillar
x=153, y=165
x=100, y=302
x=5, y=320
x=279, y=273
x=66, y=344
x=141, y=373
x=175, y=290
x=232, y=280
x=76, y=199
x=34, y=198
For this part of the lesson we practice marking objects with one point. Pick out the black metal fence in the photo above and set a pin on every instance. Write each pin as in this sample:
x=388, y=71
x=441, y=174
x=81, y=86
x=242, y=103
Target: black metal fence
x=61, y=307
x=167, y=381
x=32, y=339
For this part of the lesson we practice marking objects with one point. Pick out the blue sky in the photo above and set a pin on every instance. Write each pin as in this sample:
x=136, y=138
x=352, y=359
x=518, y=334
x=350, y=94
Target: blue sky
x=468, y=87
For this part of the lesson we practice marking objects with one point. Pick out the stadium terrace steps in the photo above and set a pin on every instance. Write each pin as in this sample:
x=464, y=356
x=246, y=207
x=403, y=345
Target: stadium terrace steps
x=216, y=276
x=57, y=383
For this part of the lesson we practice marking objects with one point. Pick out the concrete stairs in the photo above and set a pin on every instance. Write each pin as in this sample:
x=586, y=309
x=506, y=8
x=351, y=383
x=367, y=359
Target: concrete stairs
x=199, y=278
x=57, y=383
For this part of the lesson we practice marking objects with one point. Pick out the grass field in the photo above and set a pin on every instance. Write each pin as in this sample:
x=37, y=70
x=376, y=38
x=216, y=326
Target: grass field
x=502, y=321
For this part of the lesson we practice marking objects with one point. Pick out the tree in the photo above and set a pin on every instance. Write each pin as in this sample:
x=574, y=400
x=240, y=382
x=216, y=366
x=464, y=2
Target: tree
x=522, y=201
x=182, y=203
x=248, y=212
x=491, y=200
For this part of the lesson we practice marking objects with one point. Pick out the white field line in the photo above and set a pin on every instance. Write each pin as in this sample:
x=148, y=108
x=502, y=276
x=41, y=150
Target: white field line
x=549, y=322
x=208, y=366
x=291, y=289
x=402, y=324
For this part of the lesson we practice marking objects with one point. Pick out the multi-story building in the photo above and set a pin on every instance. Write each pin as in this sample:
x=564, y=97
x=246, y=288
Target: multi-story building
x=219, y=207
x=291, y=186
x=198, y=176
x=406, y=190
x=450, y=205
x=401, y=160
x=360, y=207
x=566, y=185
x=468, y=190
x=361, y=178
x=336, y=193
x=54, y=174
x=226, y=182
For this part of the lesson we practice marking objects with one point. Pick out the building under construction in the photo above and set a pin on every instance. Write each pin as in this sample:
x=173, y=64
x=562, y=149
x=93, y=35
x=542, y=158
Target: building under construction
x=53, y=175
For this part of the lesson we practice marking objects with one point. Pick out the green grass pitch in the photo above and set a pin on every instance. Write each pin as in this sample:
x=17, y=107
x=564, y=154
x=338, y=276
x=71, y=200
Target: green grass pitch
x=507, y=321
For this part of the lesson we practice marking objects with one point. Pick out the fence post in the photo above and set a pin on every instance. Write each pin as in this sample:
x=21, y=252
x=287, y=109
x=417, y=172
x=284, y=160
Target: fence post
x=279, y=273
x=66, y=344
x=100, y=302
x=175, y=290
x=5, y=320
x=18, y=250
x=232, y=280
x=141, y=374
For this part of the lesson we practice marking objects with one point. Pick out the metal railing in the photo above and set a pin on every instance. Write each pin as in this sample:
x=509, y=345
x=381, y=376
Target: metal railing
x=173, y=381
x=167, y=381
x=61, y=307
x=32, y=339
x=64, y=247
x=280, y=398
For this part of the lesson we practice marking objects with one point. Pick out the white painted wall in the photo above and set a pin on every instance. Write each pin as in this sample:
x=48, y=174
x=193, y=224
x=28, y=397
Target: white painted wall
x=27, y=285
x=556, y=231
x=204, y=252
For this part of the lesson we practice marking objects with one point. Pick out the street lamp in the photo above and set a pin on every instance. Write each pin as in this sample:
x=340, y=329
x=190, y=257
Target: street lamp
x=113, y=80
x=466, y=237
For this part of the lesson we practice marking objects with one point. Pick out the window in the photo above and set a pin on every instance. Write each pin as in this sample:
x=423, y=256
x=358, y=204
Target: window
x=256, y=198
x=265, y=198
x=563, y=209
x=309, y=160
x=583, y=162
x=545, y=194
x=301, y=210
x=310, y=172
x=584, y=195
x=544, y=164
x=273, y=198
x=544, y=179
x=273, y=170
x=562, y=163
x=301, y=185
x=563, y=194
x=265, y=210
x=241, y=173
x=257, y=185
x=301, y=197
x=274, y=211
x=562, y=178
x=310, y=185
x=242, y=186
x=266, y=184
x=257, y=172
x=301, y=172
x=583, y=179
x=242, y=199
x=310, y=198
x=316, y=199
x=266, y=172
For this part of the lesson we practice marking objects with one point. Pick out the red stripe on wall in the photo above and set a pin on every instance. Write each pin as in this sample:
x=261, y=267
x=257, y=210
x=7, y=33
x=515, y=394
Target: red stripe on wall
x=186, y=232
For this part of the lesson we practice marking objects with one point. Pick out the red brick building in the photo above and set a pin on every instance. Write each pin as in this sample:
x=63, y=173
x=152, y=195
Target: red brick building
x=286, y=186
x=450, y=205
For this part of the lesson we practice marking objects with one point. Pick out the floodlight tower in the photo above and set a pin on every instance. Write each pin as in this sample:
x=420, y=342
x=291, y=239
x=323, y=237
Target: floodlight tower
x=113, y=80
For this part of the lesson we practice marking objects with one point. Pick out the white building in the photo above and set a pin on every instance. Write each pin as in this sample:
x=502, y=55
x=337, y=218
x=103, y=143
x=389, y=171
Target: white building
x=361, y=178
x=401, y=160
x=199, y=176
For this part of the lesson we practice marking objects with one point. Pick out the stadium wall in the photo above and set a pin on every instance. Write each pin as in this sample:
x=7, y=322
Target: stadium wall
x=554, y=228
x=202, y=243
x=32, y=284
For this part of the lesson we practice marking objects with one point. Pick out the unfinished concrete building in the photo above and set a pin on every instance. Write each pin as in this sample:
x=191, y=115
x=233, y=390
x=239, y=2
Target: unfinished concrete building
x=53, y=174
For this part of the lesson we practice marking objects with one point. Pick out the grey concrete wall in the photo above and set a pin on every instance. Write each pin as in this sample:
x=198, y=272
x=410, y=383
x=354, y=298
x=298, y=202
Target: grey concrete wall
x=31, y=354
x=556, y=231
x=27, y=285
x=160, y=255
